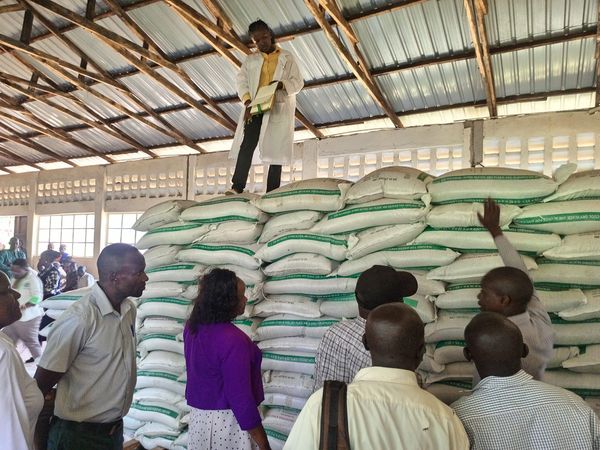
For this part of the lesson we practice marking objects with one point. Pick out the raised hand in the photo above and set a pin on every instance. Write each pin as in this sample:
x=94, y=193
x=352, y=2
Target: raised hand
x=491, y=217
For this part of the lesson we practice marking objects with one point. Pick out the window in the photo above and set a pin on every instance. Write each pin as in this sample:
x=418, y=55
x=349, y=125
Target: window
x=7, y=229
x=119, y=228
x=76, y=231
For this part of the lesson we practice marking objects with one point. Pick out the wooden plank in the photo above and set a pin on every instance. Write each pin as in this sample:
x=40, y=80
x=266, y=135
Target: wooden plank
x=26, y=28
x=10, y=8
x=32, y=144
x=476, y=21
x=331, y=7
x=362, y=75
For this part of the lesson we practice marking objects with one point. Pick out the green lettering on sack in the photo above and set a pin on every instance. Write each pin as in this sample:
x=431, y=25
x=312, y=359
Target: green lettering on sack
x=171, y=267
x=477, y=177
x=223, y=219
x=189, y=226
x=302, y=192
x=289, y=358
x=220, y=247
x=375, y=208
x=157, y=409
x=307, y=237
x=450, y=343
x=558, y=218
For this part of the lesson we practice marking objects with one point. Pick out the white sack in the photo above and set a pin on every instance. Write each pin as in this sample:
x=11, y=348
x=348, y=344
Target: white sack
x=175, y=272
x=287, y=325
x=288, y=222
x=178, y=233
x=219, y=254
x=161, y=214
x=472, y=267
x=310, y=263
x=378, y=238
x=225, y=208
x=577, y=246
x=232, y=232
x=573, y=217
x=170, y=307
x=290, y=383
x=580, y=185
x=567, y=274
x=465, y=215
x=305, y=242
x=161, y=255
x=304, y=284
x=288, y=304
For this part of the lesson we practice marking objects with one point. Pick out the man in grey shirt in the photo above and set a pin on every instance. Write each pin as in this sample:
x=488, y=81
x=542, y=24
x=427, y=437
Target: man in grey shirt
x=91, y=355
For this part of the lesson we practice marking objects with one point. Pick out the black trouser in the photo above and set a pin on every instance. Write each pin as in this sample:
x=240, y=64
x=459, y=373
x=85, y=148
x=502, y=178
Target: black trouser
x=68, y=435
x=244, y=159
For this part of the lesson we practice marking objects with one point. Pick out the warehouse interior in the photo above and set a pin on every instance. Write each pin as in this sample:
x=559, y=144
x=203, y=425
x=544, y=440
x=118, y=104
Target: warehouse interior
x=111, y=107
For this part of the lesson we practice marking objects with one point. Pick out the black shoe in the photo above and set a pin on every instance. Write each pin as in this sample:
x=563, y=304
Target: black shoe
x=30, y=360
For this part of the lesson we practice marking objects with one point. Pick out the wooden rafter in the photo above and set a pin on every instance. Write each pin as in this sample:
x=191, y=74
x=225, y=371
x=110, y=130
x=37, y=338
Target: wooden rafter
x=215, y=9
x=103, y=126
x=46, y=128
x=476, y=18
x=360, y=71
x=10, y=8
x=332, y=9
x=11, y=136
x=4, y=152
x=124, y=46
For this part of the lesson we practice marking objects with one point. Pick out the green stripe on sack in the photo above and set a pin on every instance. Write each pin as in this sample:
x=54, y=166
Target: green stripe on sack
x=223, y=219
x=570, y=262
x=61, y=297
x=450, y=343
x=189, y=226
x=558, y=218
x=487, y=177
x=275, y=434
x=170, y=300
x=220, y=247
x=550, y=286
x=458, y=384
x=289, y=358
x=171, y=267
x=167, y=337
x=585, y=392
x=349, y=297
x=412, y=247
x=308, y=237
x=158, y=409
x=306, y=276
x=302, y=192
x=154, y=374
x=458, y=287
x=246, y=322
x=376, y=208
x=228, y=199
x=501, y=201
x=555, y=319
x=297, y=323
x=483, y=230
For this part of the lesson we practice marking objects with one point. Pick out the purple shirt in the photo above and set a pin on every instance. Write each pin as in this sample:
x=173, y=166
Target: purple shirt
x=223, y=372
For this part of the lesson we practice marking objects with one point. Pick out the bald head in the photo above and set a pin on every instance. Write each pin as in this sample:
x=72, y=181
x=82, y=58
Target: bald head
x=494, y=344
x=113, y=257
x=395, y=336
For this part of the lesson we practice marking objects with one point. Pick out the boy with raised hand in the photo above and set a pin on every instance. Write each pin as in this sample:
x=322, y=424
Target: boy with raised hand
x=510, y=292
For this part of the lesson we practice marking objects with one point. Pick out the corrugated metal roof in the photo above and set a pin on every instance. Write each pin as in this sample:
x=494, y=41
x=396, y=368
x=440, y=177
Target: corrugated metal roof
x=116, y=25
x=55, y=117
x=24, y=152
x=9, y=64
x=553, y=103
x=343, y=101
x=72, y=105
x=150, y=91
x=556, y=67
x=427, y=29
x=168, y=30
x=195, y=125
x=43, y=69
x=104, y=55
x=431, y=86
x=100, y=107
x=143, y=134
x=14, y=125
x=62, y=148
x=517, y=20
x=213, y=74
x=57, y=48
x=100, y=140
x=13, y=22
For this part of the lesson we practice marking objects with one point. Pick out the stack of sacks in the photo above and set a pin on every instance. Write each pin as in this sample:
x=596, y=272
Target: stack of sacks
x=573, y=212
x=297, y=263
x=458, y=197
x=231, y=243
x=157, y=416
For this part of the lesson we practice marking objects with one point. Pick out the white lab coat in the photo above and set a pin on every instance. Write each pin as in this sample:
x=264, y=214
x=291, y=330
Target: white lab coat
x=276, y=139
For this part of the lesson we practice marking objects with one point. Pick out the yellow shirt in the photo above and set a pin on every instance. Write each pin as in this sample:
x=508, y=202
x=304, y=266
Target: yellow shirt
x=267, y=70
x=387, y=410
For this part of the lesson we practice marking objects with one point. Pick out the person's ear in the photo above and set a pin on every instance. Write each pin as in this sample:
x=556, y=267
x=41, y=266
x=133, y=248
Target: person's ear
x=525, y=351
x=505, y=300
x=365, y=343
x=467, y=354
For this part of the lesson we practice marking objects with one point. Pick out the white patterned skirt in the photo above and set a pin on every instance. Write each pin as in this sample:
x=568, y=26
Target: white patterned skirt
x=217, y=430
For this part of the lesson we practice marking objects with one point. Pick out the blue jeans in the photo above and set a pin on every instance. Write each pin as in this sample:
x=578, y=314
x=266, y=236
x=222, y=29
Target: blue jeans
x=67, y=435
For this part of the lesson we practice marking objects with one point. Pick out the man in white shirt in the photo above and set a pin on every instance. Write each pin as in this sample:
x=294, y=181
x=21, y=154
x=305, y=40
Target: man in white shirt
x=510, y=292
x=508, y=409
x=27, y=283
x=84, y=279
x=91, y=355
x=386, y=407
x=20, y=399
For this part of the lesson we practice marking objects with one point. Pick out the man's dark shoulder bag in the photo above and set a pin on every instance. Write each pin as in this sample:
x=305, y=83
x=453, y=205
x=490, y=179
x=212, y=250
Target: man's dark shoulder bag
x=334, y=417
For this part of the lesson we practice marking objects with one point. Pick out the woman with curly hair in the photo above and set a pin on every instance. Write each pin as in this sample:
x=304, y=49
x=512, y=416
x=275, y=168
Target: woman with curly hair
x=224, y=385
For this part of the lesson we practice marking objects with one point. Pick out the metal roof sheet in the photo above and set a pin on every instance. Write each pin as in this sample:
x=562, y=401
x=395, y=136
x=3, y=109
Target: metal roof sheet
x=55, y=117
x=100, y=140
x=63, y=148
x=195, y=125
x=101, y=53
x=23, y=151
x=143, y=134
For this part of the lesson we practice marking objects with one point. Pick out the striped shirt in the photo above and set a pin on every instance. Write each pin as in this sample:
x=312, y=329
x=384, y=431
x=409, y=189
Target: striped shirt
x=517, y=412
x=341, y=353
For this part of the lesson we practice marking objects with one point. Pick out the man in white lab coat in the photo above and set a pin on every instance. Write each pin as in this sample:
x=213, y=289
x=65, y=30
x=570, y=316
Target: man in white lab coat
x=272, y=131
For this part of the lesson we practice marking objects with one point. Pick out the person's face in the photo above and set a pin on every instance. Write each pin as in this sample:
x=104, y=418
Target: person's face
x=489, y=300
x=241, y=292
x=263, y=40
x=18, y=272
x=14, y=243
x=80, y=271
x=62, y=248
x=10, y=310
x=130, y=281
x=50, y=246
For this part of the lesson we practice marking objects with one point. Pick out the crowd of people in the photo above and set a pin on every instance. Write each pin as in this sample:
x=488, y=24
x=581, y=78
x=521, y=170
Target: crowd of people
x=367, y=394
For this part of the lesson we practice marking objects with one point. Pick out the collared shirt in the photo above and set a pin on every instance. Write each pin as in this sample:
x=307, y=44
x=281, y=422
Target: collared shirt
x=341, y=353
x=31, y=290
x=267, y=71
x=85, y=281
x=517, y=412
x=535, y=324
x=94, y=346
x=20, y=399
x=386, y=410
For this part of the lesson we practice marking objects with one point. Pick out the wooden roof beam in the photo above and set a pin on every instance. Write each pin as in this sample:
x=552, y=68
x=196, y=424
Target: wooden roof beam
x=136, y=29
x=332, y=9
x=363, y=75
x=15, y=7
x=476, y=19
x=13, y=137
x=215, y=9
x=124, y=46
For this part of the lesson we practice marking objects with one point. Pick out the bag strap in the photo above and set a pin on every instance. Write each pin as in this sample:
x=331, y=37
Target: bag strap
x=334, y=417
